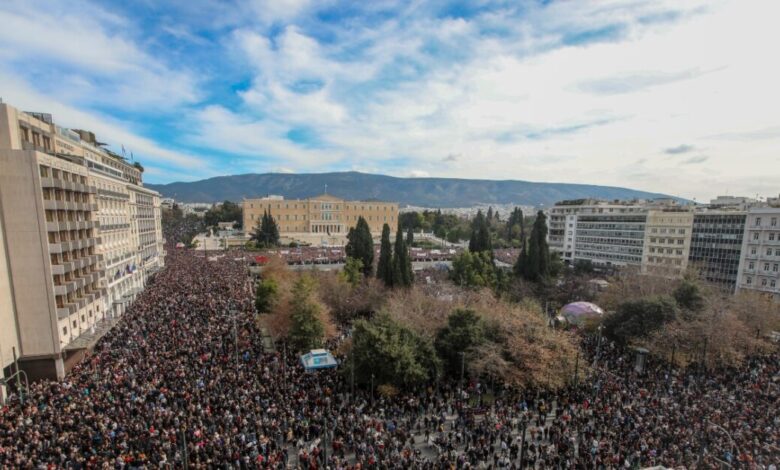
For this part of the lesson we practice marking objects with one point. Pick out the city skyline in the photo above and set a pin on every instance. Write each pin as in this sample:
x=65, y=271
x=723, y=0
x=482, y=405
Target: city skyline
x=668, y=97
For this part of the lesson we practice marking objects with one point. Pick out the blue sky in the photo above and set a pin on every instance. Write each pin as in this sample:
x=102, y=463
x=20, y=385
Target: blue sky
x=668, y=96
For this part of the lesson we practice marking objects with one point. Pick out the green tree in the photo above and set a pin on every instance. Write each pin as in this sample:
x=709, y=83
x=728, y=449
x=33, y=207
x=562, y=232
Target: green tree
x=306, y=328
x=409, y=237
x=266, y=232
x=384, y=268
x=688, y=295
x=406, y=359
x=402, y=263
x=353, y=271
x=474, y=270
x=266, y=295
x=534, y=262
x=360, y=245
x=463, y=332
x=635, y=319
x=480, y=235
x=226, y=212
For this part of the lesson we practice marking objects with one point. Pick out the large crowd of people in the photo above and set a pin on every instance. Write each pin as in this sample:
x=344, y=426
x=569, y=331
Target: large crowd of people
x=183, y=381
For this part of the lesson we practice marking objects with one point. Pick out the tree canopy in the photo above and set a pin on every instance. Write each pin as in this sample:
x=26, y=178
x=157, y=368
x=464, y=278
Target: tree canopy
x=406, y=359
x=360, y=245
x=384, y=268
x=463, y=333
x=402, y=263
x=266, y=232
x=534, y=262
x=306, y=328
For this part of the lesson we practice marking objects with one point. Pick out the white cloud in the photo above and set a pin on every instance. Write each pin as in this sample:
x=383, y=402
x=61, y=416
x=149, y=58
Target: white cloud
x=115, y=133
x=91, y=53
x=517, y=107
x=419, y=174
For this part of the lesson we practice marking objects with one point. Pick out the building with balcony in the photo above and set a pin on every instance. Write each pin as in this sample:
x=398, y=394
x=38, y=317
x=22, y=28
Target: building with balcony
x=64, y=216
x=667, y=241
x=320, y=220
x=759, y=267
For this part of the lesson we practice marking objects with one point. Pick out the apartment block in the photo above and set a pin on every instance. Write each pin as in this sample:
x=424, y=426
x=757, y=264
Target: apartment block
x=716, y=246
x=667, y=241
x=323, y=219
x=759, y=267
x=66, y=218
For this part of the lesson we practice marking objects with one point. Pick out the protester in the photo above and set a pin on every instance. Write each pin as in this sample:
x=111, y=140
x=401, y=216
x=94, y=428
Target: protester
x=183, y=380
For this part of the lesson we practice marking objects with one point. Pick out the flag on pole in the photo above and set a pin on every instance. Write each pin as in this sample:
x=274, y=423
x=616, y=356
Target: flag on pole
x=123, y=152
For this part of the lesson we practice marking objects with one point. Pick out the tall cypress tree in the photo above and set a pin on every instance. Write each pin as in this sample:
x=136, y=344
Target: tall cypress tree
x=409, y=237
x=534, y=261
x=360, y=245
x=402, y=264
x=384, y=269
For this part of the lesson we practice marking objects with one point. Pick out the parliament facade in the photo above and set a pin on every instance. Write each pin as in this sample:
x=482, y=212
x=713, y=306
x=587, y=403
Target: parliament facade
x=323, y=219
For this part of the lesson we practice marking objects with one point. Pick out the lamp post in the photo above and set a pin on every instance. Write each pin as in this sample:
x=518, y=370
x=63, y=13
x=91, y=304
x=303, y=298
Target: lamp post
x=734, y=449
x=462, y=369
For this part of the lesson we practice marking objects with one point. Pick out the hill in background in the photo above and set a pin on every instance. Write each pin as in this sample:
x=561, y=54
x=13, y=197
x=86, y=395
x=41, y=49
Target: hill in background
x=425, y=192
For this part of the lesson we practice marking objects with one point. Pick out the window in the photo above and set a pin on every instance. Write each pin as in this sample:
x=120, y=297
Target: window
x=775, y=267
x=758, y=221
x=771, y=237
x=748, y=280
x=766, y=266
x=772, y=283
x=753, y=251
x=64, y=330
x=755, y=235
x=751, y=265
x=763, y=282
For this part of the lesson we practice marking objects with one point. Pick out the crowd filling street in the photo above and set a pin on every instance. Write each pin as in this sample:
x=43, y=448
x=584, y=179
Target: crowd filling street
x=183, y=381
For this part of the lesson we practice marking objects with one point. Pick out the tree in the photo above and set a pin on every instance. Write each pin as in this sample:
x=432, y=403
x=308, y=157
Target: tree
x=360, y=245
x=534, y=264
x=514, y=225
x=306, y=328
x=402, y=263
x=473, y=270
x=406, y=359
x=409, y=237
x=464, y=332
x=226, y=212
x=637, y=319
x=688, y=295
x=266, y=232
x=266, y=294
x=480, y=235
x=353, y=270
x=384, y=268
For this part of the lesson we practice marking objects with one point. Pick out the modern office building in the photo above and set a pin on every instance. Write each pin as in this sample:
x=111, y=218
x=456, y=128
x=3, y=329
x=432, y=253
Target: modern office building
x=66, y=214
x=759, y=267
x=667, y=241
x=716, y=246
x=323, y=219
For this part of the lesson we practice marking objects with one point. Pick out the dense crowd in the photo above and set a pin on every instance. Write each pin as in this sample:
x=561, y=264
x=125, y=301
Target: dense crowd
x=183, y=381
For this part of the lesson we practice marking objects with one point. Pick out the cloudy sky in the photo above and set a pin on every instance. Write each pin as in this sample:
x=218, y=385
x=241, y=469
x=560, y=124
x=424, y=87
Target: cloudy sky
x=681, y=97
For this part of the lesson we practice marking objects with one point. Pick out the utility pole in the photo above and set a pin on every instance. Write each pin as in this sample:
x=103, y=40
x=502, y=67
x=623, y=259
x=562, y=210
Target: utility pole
x=462, y=369
x=576, y=369
x=522, y=445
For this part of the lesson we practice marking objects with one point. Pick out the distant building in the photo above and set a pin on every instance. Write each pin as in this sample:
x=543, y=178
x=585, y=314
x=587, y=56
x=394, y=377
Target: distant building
x=667, y=241
x=759, y=267
x=716, y=246
x=319, y=220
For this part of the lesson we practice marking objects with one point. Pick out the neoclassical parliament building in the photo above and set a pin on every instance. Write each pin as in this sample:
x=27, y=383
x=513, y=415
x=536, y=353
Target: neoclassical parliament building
x=323, y=219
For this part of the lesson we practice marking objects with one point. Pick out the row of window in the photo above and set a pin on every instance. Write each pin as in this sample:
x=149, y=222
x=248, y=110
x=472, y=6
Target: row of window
x=764, y=282
x=325, y=206
x=680, y=231
x=669, y=241
x=772, y=222
x=770, y=236
x=754, y=251
x=775, y=266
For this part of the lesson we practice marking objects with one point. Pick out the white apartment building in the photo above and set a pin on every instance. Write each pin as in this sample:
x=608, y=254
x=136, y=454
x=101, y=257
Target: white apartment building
x=66, y=218
x=759, y=267
x=667, y=241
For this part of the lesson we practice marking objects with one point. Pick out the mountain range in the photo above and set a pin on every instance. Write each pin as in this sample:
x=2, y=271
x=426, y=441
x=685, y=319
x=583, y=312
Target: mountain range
x=424, y=192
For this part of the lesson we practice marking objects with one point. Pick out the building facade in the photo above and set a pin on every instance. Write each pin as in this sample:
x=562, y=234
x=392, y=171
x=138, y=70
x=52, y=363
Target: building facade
x=759, y=267
x=716, y=246
x=60, y=238
x=323, y=219
x=667, y=242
